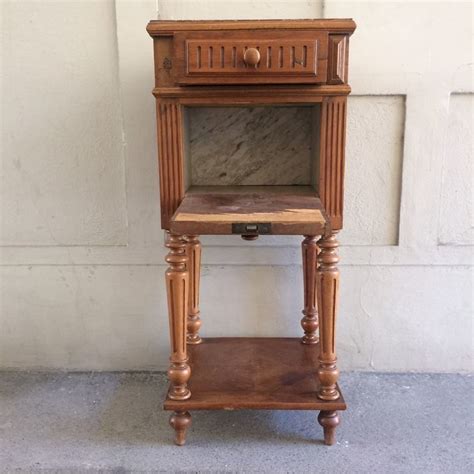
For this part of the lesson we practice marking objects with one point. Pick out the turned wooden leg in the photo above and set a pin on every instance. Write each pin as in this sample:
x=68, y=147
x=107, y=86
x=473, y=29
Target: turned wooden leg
x=329, y=421
x=180, y=421
x=328, y=289
x=177, y=288
x=193, y=249
x=309, y=322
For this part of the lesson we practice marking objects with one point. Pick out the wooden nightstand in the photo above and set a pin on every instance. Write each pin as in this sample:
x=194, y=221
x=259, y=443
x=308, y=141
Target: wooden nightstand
x=251, y=135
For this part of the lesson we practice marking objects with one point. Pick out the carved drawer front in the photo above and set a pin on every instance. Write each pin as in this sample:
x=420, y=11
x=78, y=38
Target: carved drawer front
x=249, y=59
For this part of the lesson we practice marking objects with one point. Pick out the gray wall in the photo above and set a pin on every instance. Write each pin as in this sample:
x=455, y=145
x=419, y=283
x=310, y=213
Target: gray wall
x=81, y=249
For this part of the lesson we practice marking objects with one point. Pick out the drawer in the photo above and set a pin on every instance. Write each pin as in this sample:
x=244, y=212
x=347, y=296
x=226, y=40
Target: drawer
x=245, y=57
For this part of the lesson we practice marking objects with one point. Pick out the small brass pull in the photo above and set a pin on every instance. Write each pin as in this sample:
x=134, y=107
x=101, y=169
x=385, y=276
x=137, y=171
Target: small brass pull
x=252, y=57
x=251, y=230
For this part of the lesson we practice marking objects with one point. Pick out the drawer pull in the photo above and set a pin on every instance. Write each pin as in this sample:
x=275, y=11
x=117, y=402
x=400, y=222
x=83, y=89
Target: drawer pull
x=251, y=228
x=252, y=57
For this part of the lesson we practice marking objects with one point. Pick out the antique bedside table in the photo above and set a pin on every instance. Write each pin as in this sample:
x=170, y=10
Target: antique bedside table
x=251, y=134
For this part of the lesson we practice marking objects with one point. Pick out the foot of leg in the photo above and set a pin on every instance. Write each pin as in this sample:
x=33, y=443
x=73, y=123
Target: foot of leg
x=180, y=421
x=329, y=421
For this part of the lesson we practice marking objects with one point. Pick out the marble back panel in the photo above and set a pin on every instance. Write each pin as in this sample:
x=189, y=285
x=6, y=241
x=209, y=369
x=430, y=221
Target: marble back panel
x=269, y=145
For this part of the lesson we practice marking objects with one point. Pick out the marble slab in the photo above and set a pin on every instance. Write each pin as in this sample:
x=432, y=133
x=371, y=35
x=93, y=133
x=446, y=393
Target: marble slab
x=250, y=145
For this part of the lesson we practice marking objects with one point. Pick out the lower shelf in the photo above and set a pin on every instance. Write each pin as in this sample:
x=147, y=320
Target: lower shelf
x=254, y=373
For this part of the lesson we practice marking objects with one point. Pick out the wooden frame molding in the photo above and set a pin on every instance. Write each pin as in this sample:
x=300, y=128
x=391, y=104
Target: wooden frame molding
x=252, y=94
x=167, y=28
x=170, y=148
x=332, y=151
x=338, y=58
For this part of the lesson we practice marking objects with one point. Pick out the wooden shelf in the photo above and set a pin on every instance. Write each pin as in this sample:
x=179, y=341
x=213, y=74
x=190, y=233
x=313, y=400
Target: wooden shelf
x=254, y=373
x=290, y=210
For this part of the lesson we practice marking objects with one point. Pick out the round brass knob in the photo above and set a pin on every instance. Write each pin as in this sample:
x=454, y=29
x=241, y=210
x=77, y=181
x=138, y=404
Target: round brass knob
x=252, y=57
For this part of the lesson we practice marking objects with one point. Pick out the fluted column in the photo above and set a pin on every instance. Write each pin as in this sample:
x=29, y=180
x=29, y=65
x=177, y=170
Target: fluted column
x=193, y=250
x=328, y=293
x=177, y=281
x=309, y=322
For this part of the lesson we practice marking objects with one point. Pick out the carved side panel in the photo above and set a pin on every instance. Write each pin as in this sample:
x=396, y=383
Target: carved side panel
x=332, y=148
x=165, y=69
x=337, y=59
x=171, y=158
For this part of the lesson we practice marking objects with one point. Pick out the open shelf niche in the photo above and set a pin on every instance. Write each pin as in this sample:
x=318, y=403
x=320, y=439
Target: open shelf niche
x=255, y=165
x=261, y=146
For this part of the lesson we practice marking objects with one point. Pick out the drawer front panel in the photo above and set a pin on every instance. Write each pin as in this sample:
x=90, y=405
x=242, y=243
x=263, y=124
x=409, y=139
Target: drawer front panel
x=224, y=57
x=301, y=59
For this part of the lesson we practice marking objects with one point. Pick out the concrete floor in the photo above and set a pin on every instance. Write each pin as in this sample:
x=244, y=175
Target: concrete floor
x=113, y=422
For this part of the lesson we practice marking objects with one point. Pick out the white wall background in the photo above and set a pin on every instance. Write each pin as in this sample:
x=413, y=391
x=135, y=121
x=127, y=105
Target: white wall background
x=81, y=248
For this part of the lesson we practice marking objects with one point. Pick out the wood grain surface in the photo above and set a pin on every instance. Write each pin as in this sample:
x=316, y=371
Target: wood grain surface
x=254, y=373
x=215, y=212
